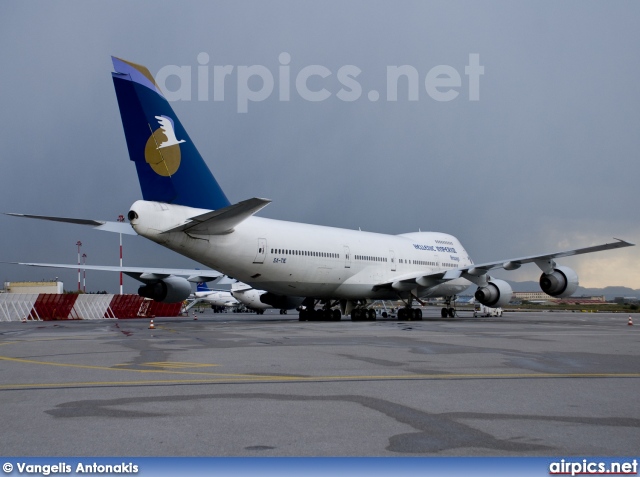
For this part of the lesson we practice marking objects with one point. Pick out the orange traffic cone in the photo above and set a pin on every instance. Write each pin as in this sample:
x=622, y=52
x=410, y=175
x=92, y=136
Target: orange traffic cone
x=151, y=325
x=630, y=322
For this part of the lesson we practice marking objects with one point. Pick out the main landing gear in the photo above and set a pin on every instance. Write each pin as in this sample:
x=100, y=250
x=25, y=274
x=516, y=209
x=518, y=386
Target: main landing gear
x=408, y=313
x=308, y=311
x=363, y=314
x=320, y=315
x=448, y=311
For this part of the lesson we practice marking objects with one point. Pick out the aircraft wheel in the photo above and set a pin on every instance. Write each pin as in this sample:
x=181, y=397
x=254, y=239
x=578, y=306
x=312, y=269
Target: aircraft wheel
x=444, y=313
x=371, y=314
x=284, y=312
x=452, y=312
x=384, y=314
x=417, y=314
x=337, y=316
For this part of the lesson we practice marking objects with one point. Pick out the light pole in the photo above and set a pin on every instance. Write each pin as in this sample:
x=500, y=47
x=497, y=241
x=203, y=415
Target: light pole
x=84, y=273
x=121, y=219
x=79, y=244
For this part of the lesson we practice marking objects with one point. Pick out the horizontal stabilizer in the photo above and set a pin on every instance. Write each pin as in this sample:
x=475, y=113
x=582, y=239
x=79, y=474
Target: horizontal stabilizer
x=223, y=220
x=240, y=287
x=117, y=227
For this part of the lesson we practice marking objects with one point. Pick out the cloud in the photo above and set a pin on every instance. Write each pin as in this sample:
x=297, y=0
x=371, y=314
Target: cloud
x=546, y=158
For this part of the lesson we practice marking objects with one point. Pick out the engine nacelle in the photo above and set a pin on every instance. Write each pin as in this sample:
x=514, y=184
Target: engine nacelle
x=496, y=294
x=560, y=283
x=167, y=290
x=280, y=301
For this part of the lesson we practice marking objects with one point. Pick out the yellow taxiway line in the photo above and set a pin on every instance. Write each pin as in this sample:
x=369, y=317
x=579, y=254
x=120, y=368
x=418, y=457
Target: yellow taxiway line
x=246, y=378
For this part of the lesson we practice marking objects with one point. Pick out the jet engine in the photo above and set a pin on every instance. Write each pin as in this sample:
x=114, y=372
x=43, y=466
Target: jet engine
x=280, y=301
x=168, y=290
x=560, y=283
x=496, y=294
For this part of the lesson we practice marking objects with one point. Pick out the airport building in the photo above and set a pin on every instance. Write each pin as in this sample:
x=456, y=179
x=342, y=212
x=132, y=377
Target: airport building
x=33, y=287
x=532, y=296
x=541, y=296
x=625, y=300
x=583, y=300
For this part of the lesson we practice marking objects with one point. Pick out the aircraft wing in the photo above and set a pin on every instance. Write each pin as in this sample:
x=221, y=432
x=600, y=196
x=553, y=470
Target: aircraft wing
x=117, y=227
x=143, y=274
x=409, y=281
x=544, y=261
x=514, y=263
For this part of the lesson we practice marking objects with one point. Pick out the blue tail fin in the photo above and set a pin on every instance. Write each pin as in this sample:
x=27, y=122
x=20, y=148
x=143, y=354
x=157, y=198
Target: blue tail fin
x=202, y=287
x=170, y=168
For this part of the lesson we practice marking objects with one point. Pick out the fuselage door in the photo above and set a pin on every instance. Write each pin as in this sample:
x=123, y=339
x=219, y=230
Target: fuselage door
x=392, y=259
x=347, y=257
x=262, y=251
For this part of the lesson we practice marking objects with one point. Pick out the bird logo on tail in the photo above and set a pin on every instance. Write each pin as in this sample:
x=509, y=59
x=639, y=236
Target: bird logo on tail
x=166, y=124
x=162, y=151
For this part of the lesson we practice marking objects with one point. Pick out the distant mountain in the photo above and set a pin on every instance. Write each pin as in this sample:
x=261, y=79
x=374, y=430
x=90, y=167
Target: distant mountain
x=609, y=292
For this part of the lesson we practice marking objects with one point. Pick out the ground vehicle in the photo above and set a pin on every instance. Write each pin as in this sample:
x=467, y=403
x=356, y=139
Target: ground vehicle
x=481, y=310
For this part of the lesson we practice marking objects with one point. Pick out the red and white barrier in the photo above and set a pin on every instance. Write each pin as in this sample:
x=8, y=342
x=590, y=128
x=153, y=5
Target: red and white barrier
x=47, y=306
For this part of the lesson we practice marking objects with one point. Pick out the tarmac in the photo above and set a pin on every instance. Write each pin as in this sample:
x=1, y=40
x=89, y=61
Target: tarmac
x=526, y=384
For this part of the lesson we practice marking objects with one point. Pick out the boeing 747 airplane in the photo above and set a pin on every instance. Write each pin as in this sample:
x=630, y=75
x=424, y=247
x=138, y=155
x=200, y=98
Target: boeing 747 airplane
x=338, y=271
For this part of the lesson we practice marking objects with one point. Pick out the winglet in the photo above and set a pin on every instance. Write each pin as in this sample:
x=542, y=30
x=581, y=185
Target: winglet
x=624, y=243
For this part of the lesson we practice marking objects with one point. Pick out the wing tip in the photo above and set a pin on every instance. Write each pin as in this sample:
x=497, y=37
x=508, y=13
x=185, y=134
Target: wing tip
x=624, y=243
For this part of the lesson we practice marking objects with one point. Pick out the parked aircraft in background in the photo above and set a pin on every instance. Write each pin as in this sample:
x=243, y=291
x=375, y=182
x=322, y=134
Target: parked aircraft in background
x=215, y=297
x=340, y=270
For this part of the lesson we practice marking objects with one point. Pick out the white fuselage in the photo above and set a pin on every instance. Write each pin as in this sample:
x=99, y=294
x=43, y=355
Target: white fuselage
x=218, y=298
x=295, y=259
